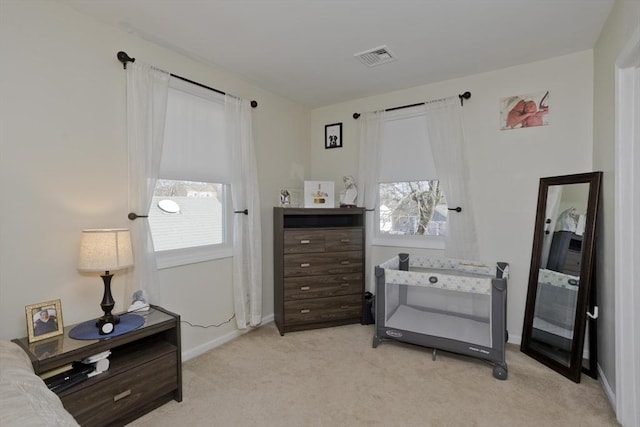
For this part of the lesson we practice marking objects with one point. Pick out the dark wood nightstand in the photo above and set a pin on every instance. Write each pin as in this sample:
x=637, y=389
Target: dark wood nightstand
x=145, y=370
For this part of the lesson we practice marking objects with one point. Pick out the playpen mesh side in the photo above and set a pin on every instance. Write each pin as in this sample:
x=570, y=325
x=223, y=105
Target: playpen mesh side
x=443, y=303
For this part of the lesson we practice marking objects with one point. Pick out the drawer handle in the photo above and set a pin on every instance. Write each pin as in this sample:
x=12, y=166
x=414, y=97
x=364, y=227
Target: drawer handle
x=305, y=310
x=305, y=265
x=344, y=262
x=305, y=288
x=345, y=240
x=121, y=395
x=344, y=285
x=344, y=307
x=305, y=242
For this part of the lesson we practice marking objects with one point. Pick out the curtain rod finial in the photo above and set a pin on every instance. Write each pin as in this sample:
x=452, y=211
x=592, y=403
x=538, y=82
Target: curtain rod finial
x=464, y=96
x=124, y=58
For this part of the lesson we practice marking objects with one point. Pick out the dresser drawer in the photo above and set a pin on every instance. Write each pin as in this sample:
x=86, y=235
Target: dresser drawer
x=323, y=309
x=349, y=239
x=323, y=263
x=122, y=393
x=572, y=261
x=322, y=286
x=303, y=241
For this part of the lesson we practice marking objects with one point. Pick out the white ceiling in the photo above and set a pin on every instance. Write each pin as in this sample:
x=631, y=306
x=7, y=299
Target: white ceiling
x=304, y=49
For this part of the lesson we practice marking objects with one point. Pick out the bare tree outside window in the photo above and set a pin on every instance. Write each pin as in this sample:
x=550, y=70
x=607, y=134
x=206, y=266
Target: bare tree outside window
x=413, y=208
x=171, y=188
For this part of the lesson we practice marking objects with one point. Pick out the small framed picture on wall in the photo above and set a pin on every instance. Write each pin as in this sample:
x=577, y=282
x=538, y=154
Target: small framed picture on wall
x=333, y=135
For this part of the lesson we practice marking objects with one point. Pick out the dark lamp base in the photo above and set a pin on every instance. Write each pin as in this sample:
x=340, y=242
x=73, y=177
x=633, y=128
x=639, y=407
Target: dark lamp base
x=107, y=318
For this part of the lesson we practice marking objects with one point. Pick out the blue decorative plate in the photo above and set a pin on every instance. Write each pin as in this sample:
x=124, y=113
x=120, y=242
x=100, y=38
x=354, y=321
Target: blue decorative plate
x=89, y=331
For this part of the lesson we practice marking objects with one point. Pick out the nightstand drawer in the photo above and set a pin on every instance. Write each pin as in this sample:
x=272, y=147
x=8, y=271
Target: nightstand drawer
x=322, y=286
x=343, y=240
x=303, y=241
x=112, y=398
x=324, y=263
x=323, y=309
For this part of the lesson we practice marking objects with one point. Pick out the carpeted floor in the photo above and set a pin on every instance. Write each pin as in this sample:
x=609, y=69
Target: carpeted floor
x=333, y=377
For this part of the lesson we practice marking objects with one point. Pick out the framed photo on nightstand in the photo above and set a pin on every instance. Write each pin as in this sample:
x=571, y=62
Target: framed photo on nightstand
x=44, y=320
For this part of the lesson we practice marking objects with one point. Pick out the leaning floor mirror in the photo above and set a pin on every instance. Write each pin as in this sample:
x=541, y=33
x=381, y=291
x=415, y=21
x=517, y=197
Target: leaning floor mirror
x=560, y=289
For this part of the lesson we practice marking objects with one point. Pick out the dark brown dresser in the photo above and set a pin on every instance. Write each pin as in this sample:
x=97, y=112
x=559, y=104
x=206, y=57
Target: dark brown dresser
x=318, y=267
x=565, y=254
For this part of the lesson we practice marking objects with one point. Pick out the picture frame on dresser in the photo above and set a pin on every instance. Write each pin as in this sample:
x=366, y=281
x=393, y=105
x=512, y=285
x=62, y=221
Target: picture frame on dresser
x=44, y=320
x=319, y=194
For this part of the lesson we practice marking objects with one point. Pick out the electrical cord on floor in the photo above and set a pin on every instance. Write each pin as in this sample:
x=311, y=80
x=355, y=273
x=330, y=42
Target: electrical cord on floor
x=208, y=326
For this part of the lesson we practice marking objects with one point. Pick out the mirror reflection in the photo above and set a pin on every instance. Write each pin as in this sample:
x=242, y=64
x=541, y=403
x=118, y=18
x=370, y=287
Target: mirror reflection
x=559, y=273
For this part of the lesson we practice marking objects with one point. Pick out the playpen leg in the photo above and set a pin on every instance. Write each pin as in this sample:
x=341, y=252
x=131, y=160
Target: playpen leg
x=376, y=341
x=500, y=371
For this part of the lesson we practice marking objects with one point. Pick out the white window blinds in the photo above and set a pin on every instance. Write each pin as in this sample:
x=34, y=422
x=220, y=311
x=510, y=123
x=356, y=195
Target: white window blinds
x=194, y=144
x=405, y=151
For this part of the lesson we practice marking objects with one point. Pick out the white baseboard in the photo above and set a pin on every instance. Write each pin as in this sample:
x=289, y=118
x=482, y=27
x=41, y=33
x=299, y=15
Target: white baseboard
x=611, y=395
x=203, y=348
x=515, y=339
x=267, y=319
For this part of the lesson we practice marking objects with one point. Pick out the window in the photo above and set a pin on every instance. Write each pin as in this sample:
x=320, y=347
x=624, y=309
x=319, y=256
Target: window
x=411, y=205
x=413, y=208
x=187, y=214
x=190, y=208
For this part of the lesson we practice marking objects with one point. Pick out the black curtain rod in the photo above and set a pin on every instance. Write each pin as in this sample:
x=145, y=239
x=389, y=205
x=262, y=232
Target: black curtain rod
x=462, y=97
x=124, y=58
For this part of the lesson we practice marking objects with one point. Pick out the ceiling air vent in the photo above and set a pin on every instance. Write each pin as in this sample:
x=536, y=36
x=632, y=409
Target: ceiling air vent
x=376, y=56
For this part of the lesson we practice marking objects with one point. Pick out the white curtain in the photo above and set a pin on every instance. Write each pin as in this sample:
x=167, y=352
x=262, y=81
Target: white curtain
x=147, y=90
x=446, y=135
x=371, y=137
x=247, y=242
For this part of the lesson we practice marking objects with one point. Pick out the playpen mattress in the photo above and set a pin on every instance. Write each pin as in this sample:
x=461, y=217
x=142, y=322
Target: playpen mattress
x=441, y=325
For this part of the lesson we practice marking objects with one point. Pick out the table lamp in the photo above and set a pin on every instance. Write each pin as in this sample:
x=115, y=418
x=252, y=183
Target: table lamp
x=105, y=250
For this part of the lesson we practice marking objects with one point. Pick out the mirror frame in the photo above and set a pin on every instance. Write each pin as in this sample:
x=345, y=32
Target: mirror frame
x=585, y=291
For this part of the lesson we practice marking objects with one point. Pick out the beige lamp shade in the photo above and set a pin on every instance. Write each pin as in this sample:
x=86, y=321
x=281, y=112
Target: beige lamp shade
x=105, y=250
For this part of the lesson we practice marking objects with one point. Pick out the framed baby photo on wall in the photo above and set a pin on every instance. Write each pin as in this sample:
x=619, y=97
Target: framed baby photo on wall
x=524, y=111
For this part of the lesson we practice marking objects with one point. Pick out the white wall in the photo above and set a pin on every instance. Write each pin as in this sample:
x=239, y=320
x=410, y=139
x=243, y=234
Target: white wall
x=505, y=166
x=63, y=166
x=622, y=21
x=63, y=161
